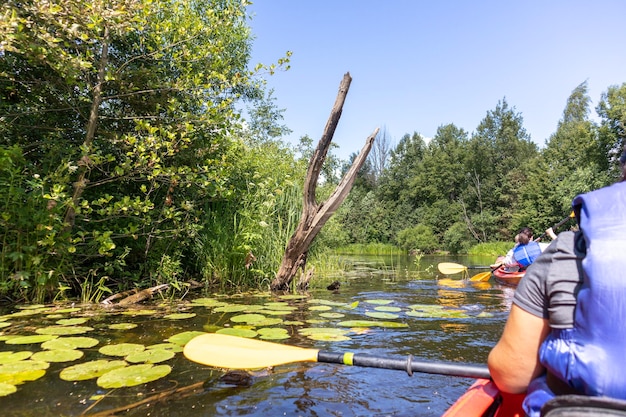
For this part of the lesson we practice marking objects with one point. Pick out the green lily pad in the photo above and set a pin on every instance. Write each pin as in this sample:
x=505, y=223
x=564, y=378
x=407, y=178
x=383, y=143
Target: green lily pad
x=143, y=312
x=167, y=346
x=293, y=323
x=275, y=312
x=179, y=316
x=273, y=333
x=231, y=308
x=150, y=356
x=7, y=389
x=122, y=326
x=388, y=309
x=27, y=340
x=78, y=342
x=4, y=324
x=325, y=334
x=378, y=302
x=121, y=349
x=58, y=355
x=320, y=308
x=133, y=375
x=16, y=373
x=292, y=297
x=332, y=315
x=184, y=337
x=90, y=370
x=208, y=302
x=367, y=323
x=238, y=332
x=64, y=330
x=248, y=318
x=279, y=306
x=8, y=357
x=72, y=322
x=381, y=315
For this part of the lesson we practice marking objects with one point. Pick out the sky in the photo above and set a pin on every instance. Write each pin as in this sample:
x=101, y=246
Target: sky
x=417, y=65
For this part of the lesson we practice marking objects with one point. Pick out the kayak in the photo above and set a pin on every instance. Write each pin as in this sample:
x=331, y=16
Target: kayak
x=483, y=399
x=507, y=278
x=503, y=277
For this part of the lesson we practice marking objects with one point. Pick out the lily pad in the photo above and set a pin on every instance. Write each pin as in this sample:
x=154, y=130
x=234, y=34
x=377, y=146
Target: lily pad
x=122, y=326
x=179, y=316
x=133, y=375
x=320, y=308
x=121, y=349
x=368, y=323
x=4, y=324
x=208, y=302
x=167, y=346
x=150, y=356
x=142, y=312
x=64, y=330
x=388, y=309
x=7, y=389
x=273, y=333
x=27, y=340
x=78, y=342
x=381, y=315
x=184, y=337
x=58, y=355
x=16, y=373
x=238, y=332
x=8, y=357
x=89, y=370
x=378, y=302
x=231, y=308
x=332, y=315
x=248, y=318
x=72, y=322
x=326, y=334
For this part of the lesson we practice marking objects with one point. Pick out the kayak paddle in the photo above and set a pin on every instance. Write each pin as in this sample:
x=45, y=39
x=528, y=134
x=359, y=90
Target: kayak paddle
x=448, y=268
x=232, y=352
x=483, y=276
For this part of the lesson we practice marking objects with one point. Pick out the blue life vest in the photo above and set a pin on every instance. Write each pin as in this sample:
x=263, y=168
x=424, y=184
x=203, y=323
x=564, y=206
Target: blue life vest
x=591, y=356
x=526, y=254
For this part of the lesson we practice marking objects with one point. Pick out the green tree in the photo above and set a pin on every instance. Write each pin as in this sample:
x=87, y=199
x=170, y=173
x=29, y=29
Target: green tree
x=571, y=163
x=612, y=130
x=126, y=112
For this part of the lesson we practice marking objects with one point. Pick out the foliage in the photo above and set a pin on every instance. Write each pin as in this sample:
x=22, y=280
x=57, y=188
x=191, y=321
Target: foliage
x=125, y=112
x=420, y=237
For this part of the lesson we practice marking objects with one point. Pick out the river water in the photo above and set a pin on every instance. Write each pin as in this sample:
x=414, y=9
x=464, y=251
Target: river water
x=444, y=319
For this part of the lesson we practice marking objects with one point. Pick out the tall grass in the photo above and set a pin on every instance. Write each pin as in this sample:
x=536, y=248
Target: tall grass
x=491, y=248
x=370, y=249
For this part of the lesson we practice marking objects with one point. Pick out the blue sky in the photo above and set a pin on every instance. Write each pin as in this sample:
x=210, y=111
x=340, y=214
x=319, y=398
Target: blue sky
x=417, y=65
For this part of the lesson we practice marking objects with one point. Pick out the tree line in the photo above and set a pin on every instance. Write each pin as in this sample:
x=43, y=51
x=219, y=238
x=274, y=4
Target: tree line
x=139, y=146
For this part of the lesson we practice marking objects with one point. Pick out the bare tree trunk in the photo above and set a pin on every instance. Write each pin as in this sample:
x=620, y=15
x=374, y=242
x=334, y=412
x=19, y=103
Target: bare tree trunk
x=81, y=183
x=314, y=215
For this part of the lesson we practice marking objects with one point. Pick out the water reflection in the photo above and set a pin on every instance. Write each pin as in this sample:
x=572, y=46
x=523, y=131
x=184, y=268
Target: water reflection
x=301, y=389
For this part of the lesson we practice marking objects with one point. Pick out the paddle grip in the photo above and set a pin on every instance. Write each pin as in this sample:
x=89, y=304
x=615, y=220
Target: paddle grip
x=407, y=364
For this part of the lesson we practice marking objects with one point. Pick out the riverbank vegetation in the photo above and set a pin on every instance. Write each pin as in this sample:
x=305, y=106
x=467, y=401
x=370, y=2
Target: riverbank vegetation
x=139, y=146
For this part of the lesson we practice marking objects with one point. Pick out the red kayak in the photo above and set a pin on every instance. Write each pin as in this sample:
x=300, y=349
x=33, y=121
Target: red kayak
x=507, y=278
x=483, y=399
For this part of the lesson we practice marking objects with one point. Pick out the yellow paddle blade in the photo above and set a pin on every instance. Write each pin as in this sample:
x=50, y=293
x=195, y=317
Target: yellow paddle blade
x=447, y=268
x=232, y=352
x=483, y=276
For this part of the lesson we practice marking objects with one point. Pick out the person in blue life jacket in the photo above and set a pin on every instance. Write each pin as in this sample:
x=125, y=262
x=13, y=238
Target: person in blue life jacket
x=565, y=332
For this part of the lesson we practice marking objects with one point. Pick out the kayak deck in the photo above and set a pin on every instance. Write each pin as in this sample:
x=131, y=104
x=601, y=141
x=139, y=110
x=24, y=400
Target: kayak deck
x=483, y=399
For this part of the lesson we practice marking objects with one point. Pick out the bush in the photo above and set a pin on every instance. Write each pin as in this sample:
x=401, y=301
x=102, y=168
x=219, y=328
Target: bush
x=420, y=237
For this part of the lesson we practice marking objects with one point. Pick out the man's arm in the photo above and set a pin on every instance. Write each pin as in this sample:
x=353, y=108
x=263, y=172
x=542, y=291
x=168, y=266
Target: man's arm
x=514, y=360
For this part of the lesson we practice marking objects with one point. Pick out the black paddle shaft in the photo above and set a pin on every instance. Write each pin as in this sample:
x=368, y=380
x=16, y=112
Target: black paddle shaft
x=407, y=364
